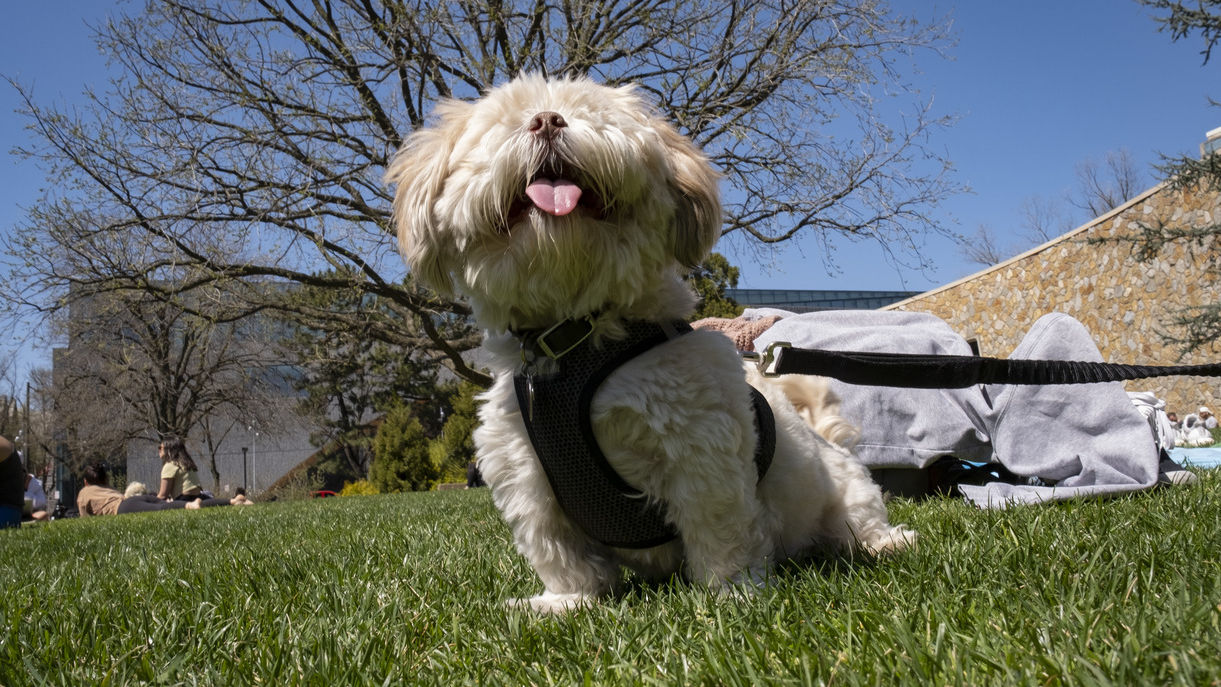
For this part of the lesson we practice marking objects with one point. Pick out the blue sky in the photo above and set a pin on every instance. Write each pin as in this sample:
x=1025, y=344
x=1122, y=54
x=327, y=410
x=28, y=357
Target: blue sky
x=1037, y=86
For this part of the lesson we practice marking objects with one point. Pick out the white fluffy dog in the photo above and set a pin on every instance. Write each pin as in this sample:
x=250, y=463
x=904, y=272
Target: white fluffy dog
x=555, y=200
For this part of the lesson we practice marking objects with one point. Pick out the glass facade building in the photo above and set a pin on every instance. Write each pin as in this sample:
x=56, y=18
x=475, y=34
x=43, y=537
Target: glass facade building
x=810, y=301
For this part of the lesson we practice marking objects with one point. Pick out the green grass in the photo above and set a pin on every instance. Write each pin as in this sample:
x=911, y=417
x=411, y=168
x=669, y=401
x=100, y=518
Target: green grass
x=410, y=589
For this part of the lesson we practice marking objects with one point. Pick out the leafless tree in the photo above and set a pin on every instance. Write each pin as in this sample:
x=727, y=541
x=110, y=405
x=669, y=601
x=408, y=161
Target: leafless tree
x=1043, y=219
x=1104, y=186
x=1100, y=188
x=984, y=247
x=9, y=406
x=141, y=368
x=39, y=445
x=242, y=142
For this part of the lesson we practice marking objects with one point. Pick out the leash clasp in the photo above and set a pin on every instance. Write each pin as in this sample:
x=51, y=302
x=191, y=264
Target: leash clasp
x=769, y=356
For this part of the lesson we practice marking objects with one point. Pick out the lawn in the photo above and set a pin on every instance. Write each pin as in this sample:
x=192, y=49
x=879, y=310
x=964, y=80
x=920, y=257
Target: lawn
x=410, y=588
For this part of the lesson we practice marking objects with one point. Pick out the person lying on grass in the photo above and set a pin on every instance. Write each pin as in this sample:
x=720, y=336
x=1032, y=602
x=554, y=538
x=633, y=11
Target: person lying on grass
x=97, y=498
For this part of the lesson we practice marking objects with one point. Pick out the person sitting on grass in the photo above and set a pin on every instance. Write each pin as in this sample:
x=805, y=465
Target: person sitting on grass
x=35, y=500
x=179, y=474
x=1206, y=417
x=1194, y=433
x=98, y=498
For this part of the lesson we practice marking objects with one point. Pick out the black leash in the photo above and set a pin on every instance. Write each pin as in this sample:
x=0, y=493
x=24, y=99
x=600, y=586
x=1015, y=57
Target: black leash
x=920, y=371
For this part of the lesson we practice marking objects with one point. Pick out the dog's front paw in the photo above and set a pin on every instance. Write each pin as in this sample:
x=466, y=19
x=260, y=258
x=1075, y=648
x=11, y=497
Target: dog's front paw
x=894, y=540
x=553, y=603
x=750, y=580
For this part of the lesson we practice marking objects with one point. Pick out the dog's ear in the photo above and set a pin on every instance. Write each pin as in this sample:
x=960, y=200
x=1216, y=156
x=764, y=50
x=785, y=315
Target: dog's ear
x=419, y=170
x=697, y=221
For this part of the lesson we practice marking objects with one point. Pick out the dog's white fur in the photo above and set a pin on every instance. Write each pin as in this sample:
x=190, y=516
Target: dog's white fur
x=676, y=422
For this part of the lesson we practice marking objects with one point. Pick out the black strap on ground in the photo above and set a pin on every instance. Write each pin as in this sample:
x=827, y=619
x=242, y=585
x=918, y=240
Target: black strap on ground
x=919, y=371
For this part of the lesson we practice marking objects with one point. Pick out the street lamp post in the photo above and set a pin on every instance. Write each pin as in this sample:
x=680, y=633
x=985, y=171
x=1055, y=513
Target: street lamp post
x=244, y=484
x=254, y=457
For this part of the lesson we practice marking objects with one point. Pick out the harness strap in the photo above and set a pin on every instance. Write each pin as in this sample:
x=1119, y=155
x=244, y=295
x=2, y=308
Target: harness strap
x=558, y=418
x=920, y=371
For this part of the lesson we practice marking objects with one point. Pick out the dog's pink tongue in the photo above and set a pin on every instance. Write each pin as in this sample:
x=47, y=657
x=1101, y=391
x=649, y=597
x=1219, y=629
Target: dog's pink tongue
x=558, y=197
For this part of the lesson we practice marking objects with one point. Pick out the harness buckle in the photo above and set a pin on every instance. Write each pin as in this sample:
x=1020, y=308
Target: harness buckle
x=567, y=336
x=770, y=354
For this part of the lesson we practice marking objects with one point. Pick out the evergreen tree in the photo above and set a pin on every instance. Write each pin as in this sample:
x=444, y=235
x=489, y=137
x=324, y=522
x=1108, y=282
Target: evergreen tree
x=709, y=281
x=1200, y=325
x=349, y=377
x=401, y=460
x=455, y=447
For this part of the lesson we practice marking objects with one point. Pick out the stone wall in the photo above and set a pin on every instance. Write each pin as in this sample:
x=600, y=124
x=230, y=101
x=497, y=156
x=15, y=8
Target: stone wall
x=1125, y=302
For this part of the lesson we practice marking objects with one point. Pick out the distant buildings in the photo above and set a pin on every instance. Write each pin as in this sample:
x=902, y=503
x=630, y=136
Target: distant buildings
x=226, y=382
x=799, y=301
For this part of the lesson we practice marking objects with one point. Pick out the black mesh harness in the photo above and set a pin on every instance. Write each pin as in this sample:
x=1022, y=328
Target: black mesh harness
x=556, y=410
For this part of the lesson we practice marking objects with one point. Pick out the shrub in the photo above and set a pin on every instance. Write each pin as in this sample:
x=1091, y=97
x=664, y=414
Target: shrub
x=455, y=448
x=401, y=460
x=362, y=487
x=450, y=470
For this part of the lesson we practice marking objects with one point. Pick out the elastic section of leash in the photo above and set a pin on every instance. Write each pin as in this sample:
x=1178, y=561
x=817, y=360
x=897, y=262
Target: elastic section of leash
x=955, y=371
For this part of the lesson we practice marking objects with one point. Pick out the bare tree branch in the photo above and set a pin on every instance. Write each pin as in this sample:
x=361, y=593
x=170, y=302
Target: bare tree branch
x=1104, y=186
x=139, y=367
x=984, y=247
x=1044, y=219
x=241, y=144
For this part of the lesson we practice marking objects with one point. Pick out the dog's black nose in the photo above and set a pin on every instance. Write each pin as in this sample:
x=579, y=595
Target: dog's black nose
x=547, y=125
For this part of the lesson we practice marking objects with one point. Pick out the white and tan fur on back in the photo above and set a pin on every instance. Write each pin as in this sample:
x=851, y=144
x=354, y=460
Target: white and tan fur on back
x=555, y=199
